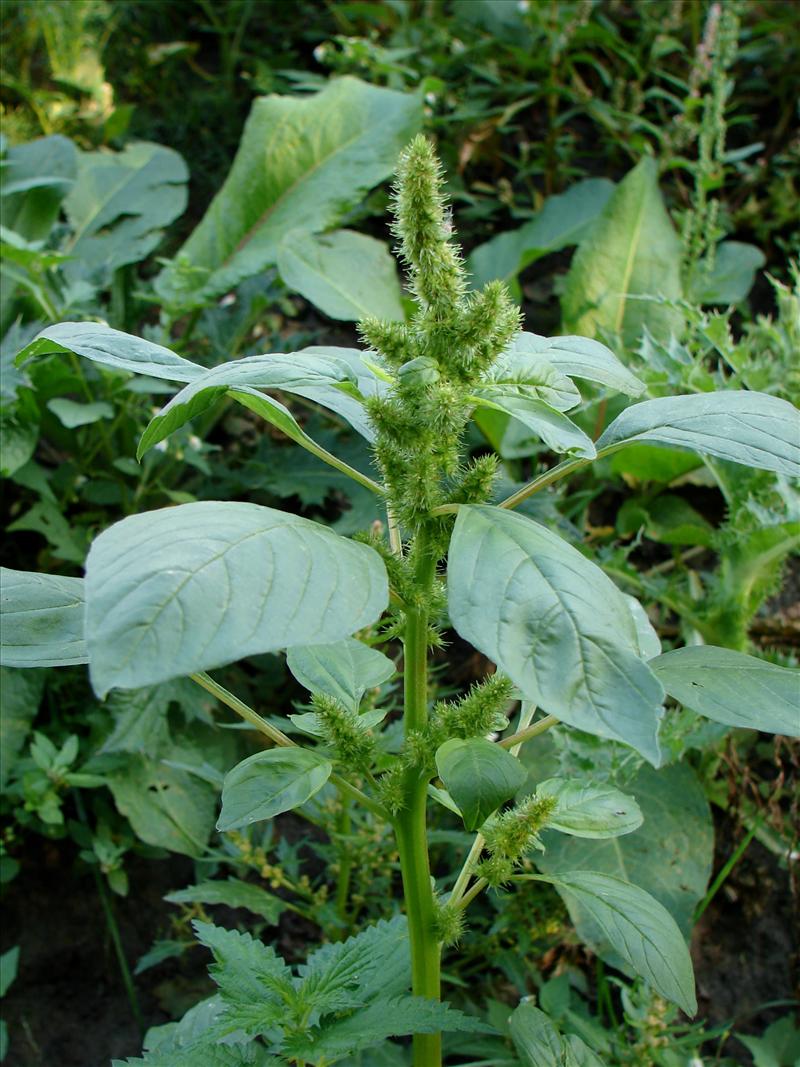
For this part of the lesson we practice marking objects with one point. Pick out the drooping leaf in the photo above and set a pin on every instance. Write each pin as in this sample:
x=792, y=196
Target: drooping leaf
x=268, y=783
x=586, y=810
x=733, y=688
x=579, y=357
x=22, y=693
x=288, y=371
x=112, y=348
x=479, y=775
x=345, y=670
x=553, y=427
x=731, y=278
x=562, y=221
x=302, y=160
x=233, y=893
x=755, y=429
x=670, y=855
x=42, y=619
x=554, y=623
x=640, y=929
x=347, y=275
x=631, y=251
x=192, y=587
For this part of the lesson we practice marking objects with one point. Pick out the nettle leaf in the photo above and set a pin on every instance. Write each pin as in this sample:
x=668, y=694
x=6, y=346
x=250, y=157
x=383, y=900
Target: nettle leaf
x=192, y=587
x=733, y=688
x=308, y=158
x=554, y=623
x=755, y=429
x=479, y=775
x=596, y=811
x=344, y=670
x=347, y=275
x=579, y=357
x=557, y=431
x=112, y=348
x=640, y=929
x=631, y=251
x=206, y=1055
x=268, y=783
x=288, y=371
x=42, y=617
x=540, y=1044
x=233, y=893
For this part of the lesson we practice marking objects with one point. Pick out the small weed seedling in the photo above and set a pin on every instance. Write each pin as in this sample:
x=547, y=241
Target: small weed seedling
x=180, y=591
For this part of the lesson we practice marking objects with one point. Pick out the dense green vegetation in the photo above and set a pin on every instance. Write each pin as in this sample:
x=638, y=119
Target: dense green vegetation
x=492, y=554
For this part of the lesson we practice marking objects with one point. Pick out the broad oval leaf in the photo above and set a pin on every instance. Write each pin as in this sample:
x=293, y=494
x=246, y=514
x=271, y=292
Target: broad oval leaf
x=752, y=428
x=731, y=278
x=596, y=811
x=344, y=670
x=308, y=158
x=733, y=688
x=288, y=371
x=112, y=348
x=640, y=929
x=554, y=623
x=347, y=275
x=553, y=427
x=580, y=357
x=34, y=180
x=189, y=588
x=479, y=776
x=530, y=373
x=271, y=782
x=42, y=619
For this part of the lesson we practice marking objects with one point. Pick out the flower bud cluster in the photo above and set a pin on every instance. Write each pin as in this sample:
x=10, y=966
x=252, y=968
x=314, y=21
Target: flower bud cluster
x=342, y=729
x=511, y=835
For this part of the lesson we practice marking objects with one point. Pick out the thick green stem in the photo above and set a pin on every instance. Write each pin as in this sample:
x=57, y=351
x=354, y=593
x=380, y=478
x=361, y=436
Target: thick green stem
x=411, y=823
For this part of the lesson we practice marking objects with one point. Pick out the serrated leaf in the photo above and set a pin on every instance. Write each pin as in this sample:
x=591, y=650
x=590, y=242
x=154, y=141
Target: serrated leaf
x=578, y=357
x=308, y=158
x=192, y=587
x=640, y=929
x=479, y=775
x=347, y=275
x=268, y=783
x=554, y=623
x=733, y=688
x=585, y=810
x=631, y=251
x=111, y=348
x=233, y=893
x=42, y=617
x=744, y=427
x=344, y=670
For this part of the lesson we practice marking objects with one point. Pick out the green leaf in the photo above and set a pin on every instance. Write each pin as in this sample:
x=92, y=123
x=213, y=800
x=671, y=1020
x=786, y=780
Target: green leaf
x=755, y=429
x=72, y=414
x=595, y=811
x=563, y=220
x=557, y=431
x=35, y=179
x=42, y=617
x=233, y=893
x=540, y=1044
x=166, y=807
x=111, y=348
x=347, y=275
x=308, y=158
x=779, y=1046
x=531, y=374
x=119, y=206
x=8, y=968
x=22, y=694
x=640, y=929
x=733, y=688
x=47, y=519
x=631, y=251
x=19, y=433
x=344, y=670
x=670, y=855
x=554, y=623
x=579, y=357
x=268, y=783
x=646, y=636
x=288, y=371
x=192, y=587
x=731, y=278
x=479, y=775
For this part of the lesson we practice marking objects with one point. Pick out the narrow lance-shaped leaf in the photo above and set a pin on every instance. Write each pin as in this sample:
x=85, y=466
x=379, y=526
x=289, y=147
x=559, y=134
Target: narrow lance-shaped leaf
x=42, y=619
x=479, y=776
x=189, y=588
x=554, y=623
x=752, y=428
x=733, y=688
x=269, y=783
